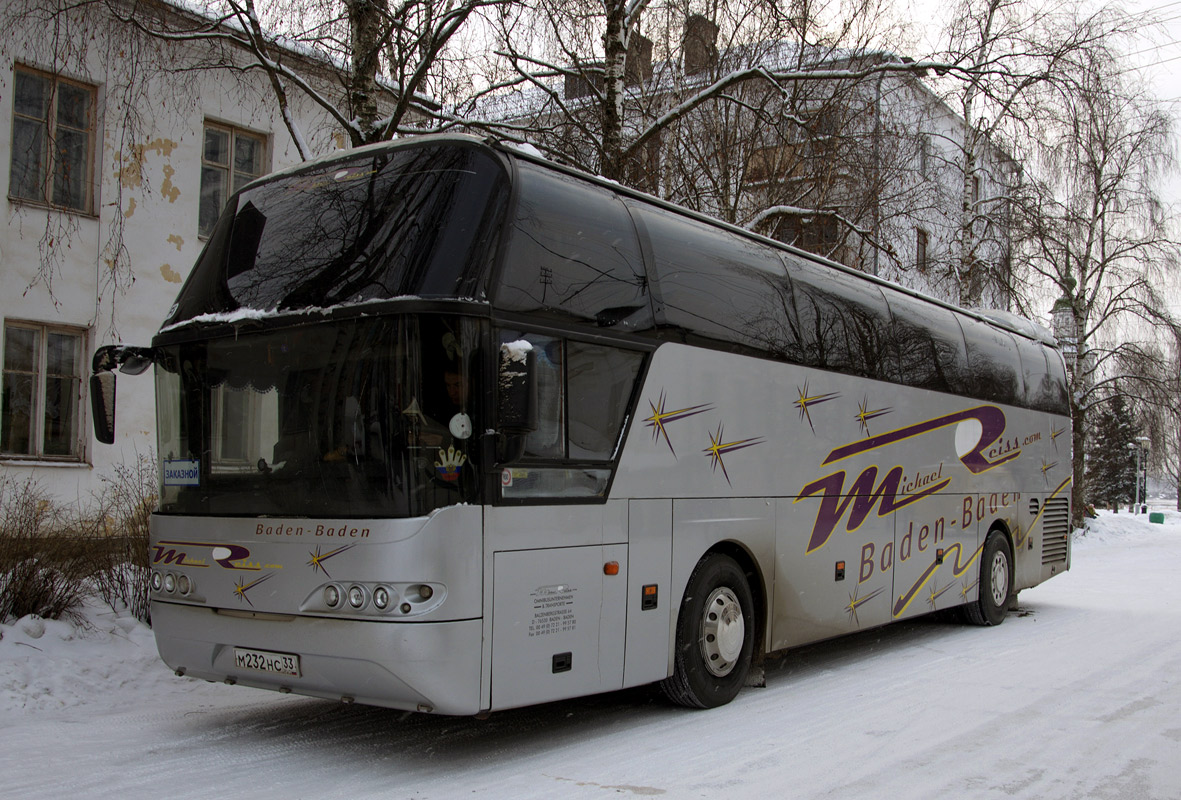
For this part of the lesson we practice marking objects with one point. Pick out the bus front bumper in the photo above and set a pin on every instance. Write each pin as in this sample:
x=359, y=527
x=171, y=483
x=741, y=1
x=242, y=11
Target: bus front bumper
x=432, y=667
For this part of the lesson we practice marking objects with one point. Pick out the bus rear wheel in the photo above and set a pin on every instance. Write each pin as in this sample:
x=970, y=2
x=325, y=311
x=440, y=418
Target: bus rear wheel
x=996, y=571
x=715, y=635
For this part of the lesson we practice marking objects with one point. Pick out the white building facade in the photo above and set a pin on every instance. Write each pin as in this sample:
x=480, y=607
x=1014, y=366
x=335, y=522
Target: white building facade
x=118, y=158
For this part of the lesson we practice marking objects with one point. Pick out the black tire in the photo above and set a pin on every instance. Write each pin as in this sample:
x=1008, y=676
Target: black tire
x=996, y=582
x=715, y=635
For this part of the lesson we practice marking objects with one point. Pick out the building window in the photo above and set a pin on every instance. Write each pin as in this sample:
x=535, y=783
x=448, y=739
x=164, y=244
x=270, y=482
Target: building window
x=920, y=249
x=230, y=159
x=975, y=190
x=771, y=164
x=820, y=234
x=53, y=123
x=40, y=413
x=925, y=156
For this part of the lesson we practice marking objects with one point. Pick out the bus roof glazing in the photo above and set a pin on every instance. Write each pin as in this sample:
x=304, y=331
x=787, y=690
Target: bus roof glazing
x=425, y=218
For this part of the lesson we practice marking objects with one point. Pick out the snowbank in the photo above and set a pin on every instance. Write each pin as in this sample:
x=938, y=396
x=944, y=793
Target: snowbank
x=104, y=660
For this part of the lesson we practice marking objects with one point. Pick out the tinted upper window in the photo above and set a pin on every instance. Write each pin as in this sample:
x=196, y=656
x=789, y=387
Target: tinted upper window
x=926, y=345
x=718, y=285
x=1044, y=376
x=384, y=223
x=573, y=252
x=843, y=322
x=994, y=368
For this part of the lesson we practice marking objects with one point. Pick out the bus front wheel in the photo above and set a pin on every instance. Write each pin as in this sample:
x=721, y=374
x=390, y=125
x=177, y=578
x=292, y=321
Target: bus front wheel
x=715, y=635
x=996, y=570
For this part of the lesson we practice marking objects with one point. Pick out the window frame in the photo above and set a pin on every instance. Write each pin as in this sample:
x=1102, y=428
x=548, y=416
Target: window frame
x=922, y=243
x=77, y=435
x=229, y=168
x=555, y=464
x=51, y=124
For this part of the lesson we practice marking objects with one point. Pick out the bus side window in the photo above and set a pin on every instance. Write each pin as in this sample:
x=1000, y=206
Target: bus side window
x=926, y=345
x=994, y=369
x=1045, y=389
x=548, y=441
x=583, y=392
x=600, y=380
x=573, y=253
x=844, y=324
x=716, y=285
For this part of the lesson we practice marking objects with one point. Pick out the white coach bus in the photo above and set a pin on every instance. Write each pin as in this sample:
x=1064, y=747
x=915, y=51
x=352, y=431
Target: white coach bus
x=446, y=427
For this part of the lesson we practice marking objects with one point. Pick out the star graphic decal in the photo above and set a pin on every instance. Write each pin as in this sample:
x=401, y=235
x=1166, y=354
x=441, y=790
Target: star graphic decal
x=805, y=402
x=242, y=587
x=317, y=558
x=934, y=595
x=660, y=417
x=865, y=414
x=717, y=448
x=856, y=602
x=1046, y=467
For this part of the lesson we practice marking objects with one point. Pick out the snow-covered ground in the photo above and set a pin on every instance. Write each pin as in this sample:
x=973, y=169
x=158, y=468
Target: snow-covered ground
x=1078, y=695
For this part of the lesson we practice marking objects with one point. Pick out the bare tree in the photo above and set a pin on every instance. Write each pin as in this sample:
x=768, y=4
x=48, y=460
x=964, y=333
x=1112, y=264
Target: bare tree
x=1163, y=417
x=599, y=90
x=392, y=59
x=1013, y=59
x=1094, y=229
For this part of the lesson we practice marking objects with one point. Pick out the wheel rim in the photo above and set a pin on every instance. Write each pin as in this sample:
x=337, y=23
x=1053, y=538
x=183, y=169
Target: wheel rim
x=723, y=631
x=1000, y=579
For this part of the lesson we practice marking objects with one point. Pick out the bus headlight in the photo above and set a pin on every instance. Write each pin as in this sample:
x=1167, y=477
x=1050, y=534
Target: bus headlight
x=360, y=599
x=356, y=596
x=381, y=598
x=331, y=596
x=157, y=581
x=169, y=583
x=184, y=585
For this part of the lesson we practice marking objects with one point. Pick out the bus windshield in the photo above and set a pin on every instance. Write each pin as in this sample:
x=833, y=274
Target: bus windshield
x=368, y=417
x=379, y=224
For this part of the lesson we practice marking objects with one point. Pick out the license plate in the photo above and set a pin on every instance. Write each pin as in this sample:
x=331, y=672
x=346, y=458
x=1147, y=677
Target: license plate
x=266, y=661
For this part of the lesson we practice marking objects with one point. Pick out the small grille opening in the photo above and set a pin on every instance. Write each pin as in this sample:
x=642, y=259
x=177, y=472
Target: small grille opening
x=1055, y=529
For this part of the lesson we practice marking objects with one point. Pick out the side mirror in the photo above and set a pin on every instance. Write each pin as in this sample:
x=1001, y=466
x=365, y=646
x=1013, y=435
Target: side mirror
x=516, y=383
x=125, y=358
x=102, y=406
x=133, y=361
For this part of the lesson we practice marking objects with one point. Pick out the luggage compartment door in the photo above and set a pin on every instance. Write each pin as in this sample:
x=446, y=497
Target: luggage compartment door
x=558, y=623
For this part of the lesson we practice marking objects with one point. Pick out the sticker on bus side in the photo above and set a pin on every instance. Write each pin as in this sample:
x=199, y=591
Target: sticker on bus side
x=182, y=473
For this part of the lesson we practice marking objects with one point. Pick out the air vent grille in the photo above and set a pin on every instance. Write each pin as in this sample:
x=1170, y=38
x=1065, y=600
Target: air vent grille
x=1055, y=529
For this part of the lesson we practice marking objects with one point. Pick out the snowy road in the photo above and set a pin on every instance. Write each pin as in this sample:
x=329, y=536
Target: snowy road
x=1077, y=696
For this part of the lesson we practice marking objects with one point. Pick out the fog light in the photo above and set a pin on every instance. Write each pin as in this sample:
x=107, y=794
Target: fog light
x=184, y=585
x=356, y=596
x=170, y=583
x=157, y=581
x=425, y=592
x=405, y=608
x=331, y=596
x=381, y=598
